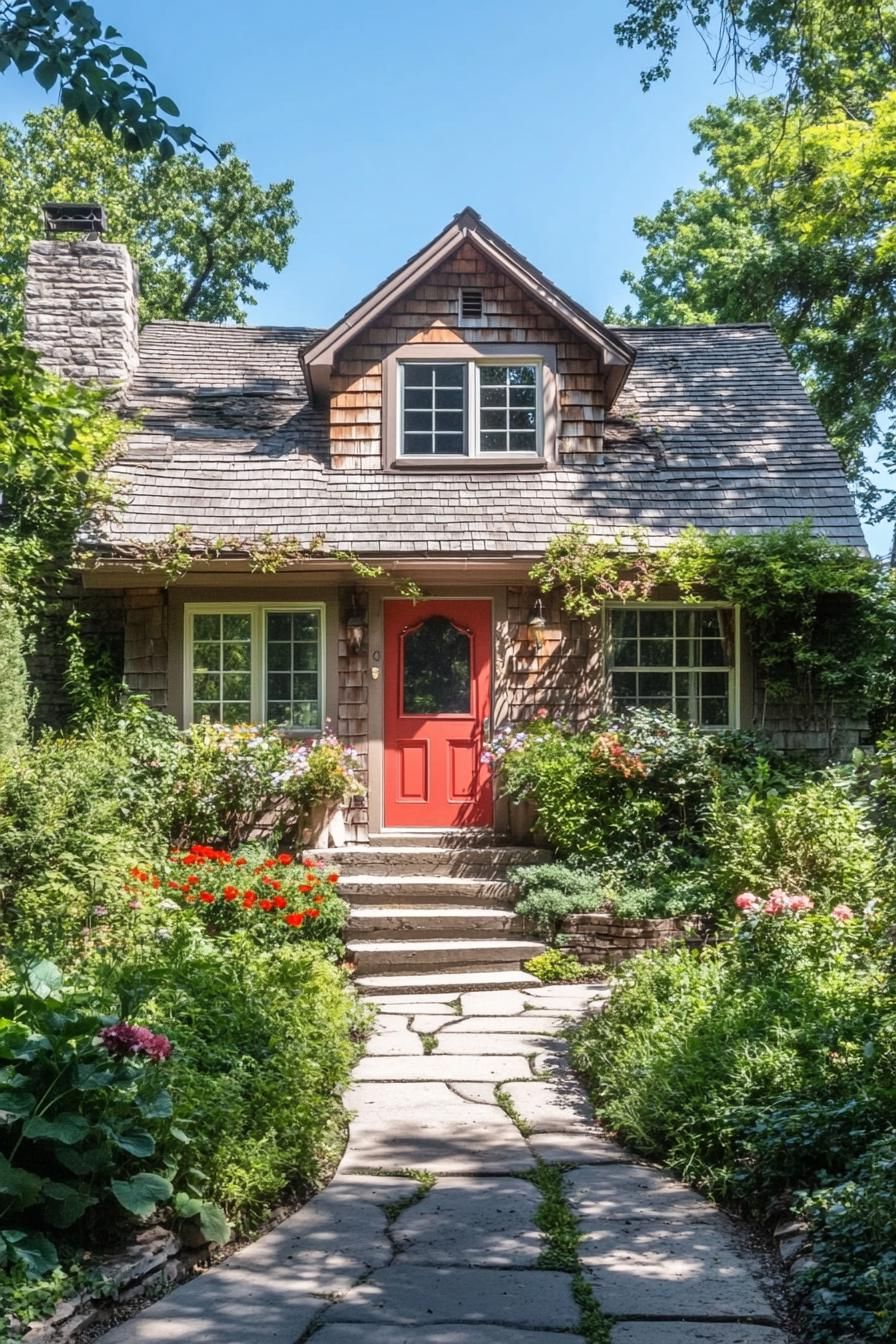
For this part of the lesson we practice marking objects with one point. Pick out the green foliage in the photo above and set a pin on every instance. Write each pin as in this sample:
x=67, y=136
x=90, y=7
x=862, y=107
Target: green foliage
x=851, y=1290
x=100, y=79
x=30, y=1300
x=551, y=891
x=15, y=695
x=820, y=616
x=85, y=1109
x=556, y=966
x=263, y=1046
x=198, y=229
x=53, y=438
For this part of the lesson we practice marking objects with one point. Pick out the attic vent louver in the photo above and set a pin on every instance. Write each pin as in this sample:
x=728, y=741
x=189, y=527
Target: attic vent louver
x=73, y=217
x=470, y=304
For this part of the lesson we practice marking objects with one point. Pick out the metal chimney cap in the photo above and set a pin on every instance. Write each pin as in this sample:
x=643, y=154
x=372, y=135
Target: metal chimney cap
x=74, y=217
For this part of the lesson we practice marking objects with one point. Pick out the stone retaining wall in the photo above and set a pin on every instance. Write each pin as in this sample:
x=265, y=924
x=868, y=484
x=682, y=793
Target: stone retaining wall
x=607, y=938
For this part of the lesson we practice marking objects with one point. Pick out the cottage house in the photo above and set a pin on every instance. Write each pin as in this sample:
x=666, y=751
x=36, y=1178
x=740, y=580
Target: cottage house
x=444, y=430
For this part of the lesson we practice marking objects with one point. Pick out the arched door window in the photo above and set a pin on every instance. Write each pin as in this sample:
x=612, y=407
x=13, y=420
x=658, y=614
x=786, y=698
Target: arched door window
x=436, y=662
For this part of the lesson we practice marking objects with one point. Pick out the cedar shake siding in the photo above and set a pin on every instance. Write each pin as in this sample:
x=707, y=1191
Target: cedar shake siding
x=429, y=315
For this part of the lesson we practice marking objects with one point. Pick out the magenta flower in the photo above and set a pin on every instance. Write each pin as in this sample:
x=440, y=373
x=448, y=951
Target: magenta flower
x=124, y=1040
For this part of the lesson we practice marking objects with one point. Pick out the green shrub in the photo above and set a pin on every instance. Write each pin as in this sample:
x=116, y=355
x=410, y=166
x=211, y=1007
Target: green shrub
x=264, y=1044
x=88, y=1129
x=851, y=1290
x=556, y=966
x=15, y=698
x=551, y=891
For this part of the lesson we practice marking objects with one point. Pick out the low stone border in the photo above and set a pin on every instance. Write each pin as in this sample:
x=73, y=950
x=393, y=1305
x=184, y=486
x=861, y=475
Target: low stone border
x=607, y=938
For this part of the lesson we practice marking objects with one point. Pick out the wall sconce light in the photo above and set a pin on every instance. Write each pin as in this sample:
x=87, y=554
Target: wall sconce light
x=355, y=628
x=537, y=625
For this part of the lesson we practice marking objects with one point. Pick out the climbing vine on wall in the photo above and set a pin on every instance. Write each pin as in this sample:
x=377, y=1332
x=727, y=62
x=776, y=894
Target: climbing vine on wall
x=820, y=616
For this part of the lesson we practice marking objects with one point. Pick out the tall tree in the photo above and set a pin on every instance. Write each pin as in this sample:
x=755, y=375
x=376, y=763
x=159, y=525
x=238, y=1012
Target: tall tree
x=198, y=229
x=795, y=218
x=100, y=80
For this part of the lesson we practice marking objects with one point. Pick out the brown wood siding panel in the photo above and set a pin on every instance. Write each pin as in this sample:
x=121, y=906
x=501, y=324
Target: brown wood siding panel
x=428, y=314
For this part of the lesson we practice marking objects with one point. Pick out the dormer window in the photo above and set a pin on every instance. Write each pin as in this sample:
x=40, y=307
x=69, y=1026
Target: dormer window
x=471, y=408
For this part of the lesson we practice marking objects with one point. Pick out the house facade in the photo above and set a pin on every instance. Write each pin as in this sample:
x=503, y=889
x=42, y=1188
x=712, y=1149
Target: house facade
x=439, y=435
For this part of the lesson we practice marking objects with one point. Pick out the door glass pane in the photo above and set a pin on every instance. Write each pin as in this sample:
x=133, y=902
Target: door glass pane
x=437, y=673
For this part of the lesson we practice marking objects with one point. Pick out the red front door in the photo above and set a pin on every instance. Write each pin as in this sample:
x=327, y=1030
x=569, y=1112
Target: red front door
x=437, y=687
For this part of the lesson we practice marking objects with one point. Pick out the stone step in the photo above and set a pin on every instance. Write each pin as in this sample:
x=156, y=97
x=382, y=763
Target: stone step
x=442, y=954
x=433, y=921
x=444, y=983
x=399, y=889
x=429, y=860
x=471, y=836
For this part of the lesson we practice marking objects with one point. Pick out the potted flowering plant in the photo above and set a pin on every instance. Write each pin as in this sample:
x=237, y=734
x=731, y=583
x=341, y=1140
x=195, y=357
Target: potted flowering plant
x=320, y=779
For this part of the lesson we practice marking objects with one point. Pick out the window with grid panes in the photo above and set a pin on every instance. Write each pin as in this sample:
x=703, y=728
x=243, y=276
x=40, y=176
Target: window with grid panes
x=476, y=408
x=673, y=658
x=256, y=663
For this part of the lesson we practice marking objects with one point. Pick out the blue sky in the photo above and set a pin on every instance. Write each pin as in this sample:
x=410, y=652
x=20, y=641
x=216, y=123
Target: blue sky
x=392, y=116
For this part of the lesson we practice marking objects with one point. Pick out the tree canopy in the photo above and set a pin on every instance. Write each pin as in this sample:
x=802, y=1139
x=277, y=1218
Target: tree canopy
x=794, y=221
x=198, y=229
x=100, y=80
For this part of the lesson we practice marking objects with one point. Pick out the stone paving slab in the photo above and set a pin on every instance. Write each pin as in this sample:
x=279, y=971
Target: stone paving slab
x=548, y=1023
x=397, y=1039
x=492, y=1003
x=418, y=1295
x=501, y=1043
x=582, y=1146
x=483, y=1093
x=648, y=1268
x=439, y=1334
x=264, y=1292
x=692, y=1332
x=432, y=1021
x=472, y=1220
x=385, y=1010
x=429, y=1126
x=442, y=1067
x=552, y=1107
x=395, y=1003
x=635, y=1191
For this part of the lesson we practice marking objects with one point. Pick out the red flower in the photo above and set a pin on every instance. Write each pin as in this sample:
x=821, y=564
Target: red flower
x=156, y=882
x=332, y=877
x=285, y=859
x=294, y=920
x=306, y=886
x=207, y=897
x=280, y=902
x=193, y=880
x=175, y=886
x=276, y=885
x=230, y=893
x=249, y=899
x=312, y=914
x=309, y=863
x=240, y=863
x=266, y=905
x=270, y=863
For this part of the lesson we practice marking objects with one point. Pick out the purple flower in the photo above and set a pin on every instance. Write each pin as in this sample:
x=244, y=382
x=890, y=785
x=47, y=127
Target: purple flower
x=123, y=1040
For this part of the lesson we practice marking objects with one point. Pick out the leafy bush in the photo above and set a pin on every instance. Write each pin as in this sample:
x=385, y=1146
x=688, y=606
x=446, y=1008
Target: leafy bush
x=851, y=1291
x=264, y=1044
x=551, y=891
x=87, y=1118
x=556, y=966
x=15, y=696
x=322, y=771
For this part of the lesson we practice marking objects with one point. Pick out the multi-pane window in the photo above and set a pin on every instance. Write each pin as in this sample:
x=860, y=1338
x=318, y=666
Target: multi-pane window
x=476, y=408
x=508, y=412
x=256, y=663
x=674, y=658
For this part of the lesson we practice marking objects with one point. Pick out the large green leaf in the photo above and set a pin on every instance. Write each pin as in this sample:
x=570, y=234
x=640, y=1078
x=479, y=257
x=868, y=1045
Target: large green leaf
x=15, y=1103
x=135, y=1141
x=33, y=1250
x=64, y=1128
x=23, y=1185
x=142, y=1193
x=63, y=1204
x=82, y=1161
x=211, y=1217
x=157, y=1107
x=44, y=979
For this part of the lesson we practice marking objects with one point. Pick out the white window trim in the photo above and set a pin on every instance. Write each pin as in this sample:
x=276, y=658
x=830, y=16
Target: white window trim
x=257, y=612
x=734, y=688
x=472, y=428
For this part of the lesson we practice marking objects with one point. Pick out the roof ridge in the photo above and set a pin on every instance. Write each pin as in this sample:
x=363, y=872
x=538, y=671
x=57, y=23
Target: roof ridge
x=691, y=326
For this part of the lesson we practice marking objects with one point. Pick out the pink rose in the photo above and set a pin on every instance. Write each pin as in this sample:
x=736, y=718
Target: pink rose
x=747, y=902
x=778, y=902
x=800, y=903
x=842, y=912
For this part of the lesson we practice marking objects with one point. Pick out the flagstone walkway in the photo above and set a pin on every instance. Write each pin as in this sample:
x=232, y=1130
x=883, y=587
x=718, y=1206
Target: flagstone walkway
x=428, y=1235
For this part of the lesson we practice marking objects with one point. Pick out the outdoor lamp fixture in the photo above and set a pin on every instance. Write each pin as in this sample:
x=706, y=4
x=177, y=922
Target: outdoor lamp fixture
x=537, y=625
x=355, y=628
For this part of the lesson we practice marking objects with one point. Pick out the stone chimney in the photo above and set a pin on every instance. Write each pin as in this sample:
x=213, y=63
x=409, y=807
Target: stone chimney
x=81, y=309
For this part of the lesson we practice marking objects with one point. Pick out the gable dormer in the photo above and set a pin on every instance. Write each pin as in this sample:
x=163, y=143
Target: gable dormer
x=468, y=357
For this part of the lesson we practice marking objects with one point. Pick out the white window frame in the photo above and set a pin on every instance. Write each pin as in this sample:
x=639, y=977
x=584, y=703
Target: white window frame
x=472, y=429
x=257, y=612
x=734, y=669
